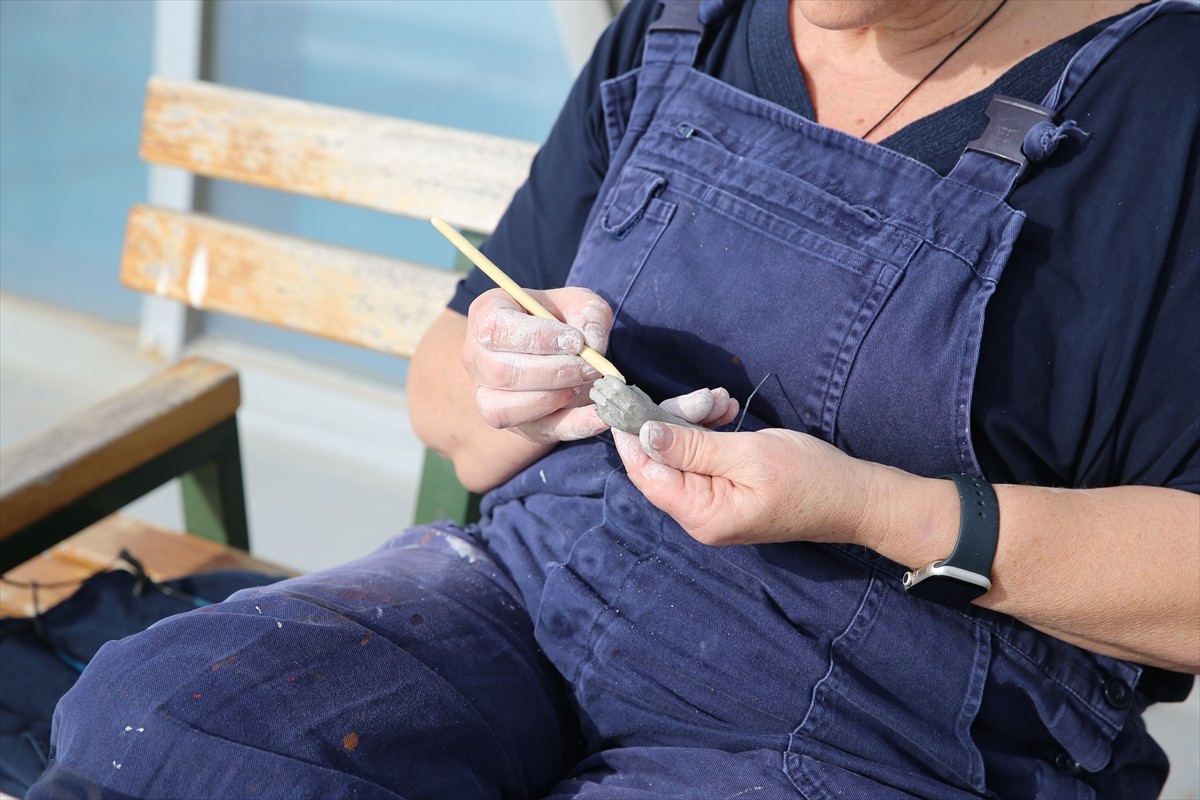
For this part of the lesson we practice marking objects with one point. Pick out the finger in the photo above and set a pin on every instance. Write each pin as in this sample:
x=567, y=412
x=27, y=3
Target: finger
x=685, y=475
x=693, y=407
x=531, y=373
x=511, y=330
x=505, y=409
x=693, y=450
x=662, y=485
x=588, y=312
x=570, y=424
x=725, y=409
x=582, y=309
x=707, y=407
x=634, y=456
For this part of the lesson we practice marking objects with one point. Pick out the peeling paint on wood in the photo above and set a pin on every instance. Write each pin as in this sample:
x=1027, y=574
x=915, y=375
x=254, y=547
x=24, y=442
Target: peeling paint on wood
x=49, y=471
x=398, y=166
x=379, y=303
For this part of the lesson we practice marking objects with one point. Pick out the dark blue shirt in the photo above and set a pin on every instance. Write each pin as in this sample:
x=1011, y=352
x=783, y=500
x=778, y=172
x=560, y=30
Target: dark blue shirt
x=1089, y=371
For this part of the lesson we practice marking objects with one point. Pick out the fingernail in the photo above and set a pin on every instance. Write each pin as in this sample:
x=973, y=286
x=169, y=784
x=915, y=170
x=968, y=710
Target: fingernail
x=596, y=335
x=569, y=342
x=656, y=437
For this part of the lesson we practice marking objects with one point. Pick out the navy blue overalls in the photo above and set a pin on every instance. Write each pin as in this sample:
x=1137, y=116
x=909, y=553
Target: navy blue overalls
x=739, y=244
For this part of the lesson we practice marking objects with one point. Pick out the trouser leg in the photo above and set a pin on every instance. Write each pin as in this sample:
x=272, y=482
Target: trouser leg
x=412, y=672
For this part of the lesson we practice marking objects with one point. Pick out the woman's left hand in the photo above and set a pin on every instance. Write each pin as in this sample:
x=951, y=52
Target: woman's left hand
x=741, y=488
x=1095, y=583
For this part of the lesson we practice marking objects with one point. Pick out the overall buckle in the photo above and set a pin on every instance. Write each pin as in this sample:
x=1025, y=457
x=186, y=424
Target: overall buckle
x=1009, y=119
x=679, y=15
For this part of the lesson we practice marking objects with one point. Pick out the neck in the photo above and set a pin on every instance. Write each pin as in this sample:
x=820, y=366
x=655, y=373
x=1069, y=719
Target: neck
x=906, y=37
x=859, y=57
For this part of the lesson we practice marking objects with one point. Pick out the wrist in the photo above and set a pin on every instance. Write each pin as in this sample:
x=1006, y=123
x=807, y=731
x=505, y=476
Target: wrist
x=918, y=517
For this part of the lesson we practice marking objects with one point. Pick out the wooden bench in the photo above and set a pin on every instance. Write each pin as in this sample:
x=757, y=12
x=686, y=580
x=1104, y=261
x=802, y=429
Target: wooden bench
x=182, y=422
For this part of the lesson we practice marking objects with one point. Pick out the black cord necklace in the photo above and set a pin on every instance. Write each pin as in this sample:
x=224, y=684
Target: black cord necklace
x=936, y=67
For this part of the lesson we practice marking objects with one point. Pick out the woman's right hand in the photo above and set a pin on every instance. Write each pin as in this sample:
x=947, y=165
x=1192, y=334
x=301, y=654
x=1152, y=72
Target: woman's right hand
x=527, y=371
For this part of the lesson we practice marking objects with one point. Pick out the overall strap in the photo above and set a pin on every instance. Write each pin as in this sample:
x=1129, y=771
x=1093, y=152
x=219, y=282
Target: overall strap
x=668, y=54
x=1020, y=133
x=674, y=38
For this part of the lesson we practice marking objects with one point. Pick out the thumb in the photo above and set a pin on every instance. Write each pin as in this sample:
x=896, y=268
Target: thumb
x=683, y=448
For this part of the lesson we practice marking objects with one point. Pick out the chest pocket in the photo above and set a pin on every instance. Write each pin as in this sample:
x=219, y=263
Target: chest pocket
x=630, y=200
x=722, y=267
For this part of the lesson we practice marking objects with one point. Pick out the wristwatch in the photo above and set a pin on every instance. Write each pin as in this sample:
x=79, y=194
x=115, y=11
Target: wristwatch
x=966, y=573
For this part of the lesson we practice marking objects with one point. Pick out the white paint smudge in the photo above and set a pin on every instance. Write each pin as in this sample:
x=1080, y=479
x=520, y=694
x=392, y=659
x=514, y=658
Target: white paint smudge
x=542, y=473
x=117, y=764
x=278, y=624
x=197, y=282
x=463, y=549
x=259, y=610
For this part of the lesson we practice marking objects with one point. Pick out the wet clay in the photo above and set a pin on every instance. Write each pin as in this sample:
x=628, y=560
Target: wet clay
x=626, y=407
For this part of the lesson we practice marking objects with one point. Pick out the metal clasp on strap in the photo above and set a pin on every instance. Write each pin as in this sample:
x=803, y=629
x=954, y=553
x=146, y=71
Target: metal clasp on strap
x=679, y=15
x=1008, y=121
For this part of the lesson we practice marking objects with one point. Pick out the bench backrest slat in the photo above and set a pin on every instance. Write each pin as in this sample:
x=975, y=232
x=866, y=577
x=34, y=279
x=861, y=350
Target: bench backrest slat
x=359, y=298
x=397, y=166
x=393, y=165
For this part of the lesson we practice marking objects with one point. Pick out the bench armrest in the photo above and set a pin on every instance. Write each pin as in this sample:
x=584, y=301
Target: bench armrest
x=103, y=458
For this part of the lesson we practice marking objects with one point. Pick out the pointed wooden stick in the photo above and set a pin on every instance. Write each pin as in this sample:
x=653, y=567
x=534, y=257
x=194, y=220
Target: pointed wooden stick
x=593, y=357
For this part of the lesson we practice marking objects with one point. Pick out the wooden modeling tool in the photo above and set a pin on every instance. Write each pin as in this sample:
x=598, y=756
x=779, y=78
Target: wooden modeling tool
x=602, y=364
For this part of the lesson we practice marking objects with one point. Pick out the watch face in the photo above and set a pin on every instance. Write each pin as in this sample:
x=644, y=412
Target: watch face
x=946, y=590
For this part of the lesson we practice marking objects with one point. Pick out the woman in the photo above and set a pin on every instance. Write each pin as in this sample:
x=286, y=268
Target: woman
x=717, y=201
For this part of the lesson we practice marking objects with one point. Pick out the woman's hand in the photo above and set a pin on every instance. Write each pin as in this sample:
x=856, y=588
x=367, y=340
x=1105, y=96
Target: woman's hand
x=741, y=488
x=528, y=375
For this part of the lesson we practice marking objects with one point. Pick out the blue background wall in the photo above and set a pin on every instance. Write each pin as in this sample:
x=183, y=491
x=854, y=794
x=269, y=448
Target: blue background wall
x=72, y=82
